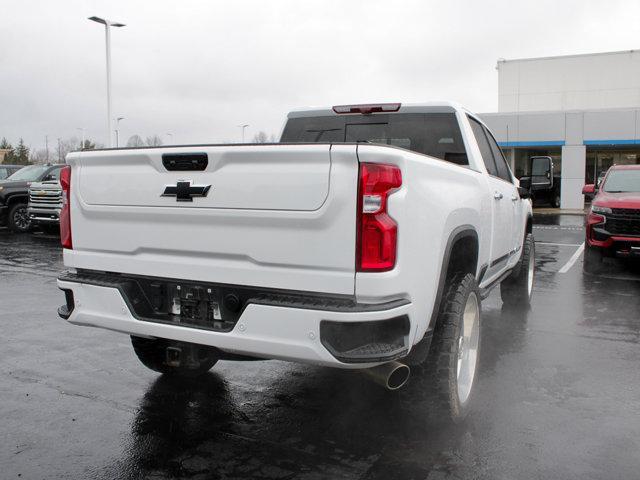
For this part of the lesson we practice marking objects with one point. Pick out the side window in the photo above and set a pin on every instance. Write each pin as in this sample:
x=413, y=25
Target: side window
x=485, y=149
x=501, y=162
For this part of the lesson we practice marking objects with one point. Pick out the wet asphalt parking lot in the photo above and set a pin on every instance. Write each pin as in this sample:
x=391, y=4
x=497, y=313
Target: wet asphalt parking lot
x=558, y=394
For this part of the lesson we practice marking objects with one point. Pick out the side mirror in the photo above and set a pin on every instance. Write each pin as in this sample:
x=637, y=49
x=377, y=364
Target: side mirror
x=541, y=172
x=525, y=182
x=589, y=189
x=524, y=192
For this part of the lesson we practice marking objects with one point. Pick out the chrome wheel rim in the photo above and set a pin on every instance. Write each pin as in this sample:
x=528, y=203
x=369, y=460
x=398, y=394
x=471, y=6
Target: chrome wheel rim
x=530, y=272
x=21, y=219
x=468, y=347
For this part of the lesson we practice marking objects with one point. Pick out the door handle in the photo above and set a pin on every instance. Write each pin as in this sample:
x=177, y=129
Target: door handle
x=497, y=195
x=514, y=198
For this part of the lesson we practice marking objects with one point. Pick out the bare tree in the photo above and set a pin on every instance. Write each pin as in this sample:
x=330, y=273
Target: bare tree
x=135, y=141
x=67, y=145
x=88, y=145
x=154, y=141
x=260, y=137
x=38, y=157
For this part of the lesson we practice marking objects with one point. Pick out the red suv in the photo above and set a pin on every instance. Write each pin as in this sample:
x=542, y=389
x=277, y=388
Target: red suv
x=613, y=223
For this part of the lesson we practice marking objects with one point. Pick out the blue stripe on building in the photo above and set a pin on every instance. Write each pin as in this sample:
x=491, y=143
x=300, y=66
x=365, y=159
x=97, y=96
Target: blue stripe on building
x=549, y=143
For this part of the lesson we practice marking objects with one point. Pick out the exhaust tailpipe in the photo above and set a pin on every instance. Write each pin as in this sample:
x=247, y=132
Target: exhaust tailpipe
x=392, y=375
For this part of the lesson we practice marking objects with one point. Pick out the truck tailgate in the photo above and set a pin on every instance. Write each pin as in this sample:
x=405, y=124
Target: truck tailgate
x=277, y=216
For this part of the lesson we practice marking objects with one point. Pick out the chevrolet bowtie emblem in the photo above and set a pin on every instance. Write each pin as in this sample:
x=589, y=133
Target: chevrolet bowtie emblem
x=184, y=191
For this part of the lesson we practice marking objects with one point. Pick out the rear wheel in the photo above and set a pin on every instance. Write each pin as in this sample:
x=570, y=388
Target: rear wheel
x=18, y=218
x=174, y=358
x=449, y=373
x=517, y=288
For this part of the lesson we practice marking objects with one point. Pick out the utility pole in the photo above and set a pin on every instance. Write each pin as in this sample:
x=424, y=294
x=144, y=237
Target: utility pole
x=82, y=144
x=118, y=131
x=107, y=24
x=243, y=127
x=59, y=152
x=46, y=146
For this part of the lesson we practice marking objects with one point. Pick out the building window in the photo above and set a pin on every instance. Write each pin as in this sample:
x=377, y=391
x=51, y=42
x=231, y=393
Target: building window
x=522, y=163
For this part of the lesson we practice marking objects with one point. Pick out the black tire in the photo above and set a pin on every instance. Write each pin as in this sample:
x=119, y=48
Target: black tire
x=18, y=219
x=153, y=355
x=593, y=262
x=438, y=376
x=517, y=288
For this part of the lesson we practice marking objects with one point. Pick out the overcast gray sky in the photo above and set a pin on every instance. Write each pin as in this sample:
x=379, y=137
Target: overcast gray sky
x=197, y=69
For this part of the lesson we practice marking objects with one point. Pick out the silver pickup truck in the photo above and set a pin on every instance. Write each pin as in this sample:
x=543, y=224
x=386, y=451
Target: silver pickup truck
x=45, y=203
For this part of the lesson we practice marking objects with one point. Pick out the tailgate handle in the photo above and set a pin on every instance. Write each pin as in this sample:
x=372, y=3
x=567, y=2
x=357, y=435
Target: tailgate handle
x=185, y=161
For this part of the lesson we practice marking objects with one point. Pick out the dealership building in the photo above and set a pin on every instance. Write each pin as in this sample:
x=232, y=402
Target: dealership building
x=581, y=110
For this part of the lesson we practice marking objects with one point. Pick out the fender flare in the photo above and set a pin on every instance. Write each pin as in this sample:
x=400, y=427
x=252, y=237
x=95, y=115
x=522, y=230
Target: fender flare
x=456, y=234
x=16, y=197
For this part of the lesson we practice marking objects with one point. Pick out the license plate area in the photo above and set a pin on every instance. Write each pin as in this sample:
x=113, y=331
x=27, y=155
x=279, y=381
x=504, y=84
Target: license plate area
x=183, y=303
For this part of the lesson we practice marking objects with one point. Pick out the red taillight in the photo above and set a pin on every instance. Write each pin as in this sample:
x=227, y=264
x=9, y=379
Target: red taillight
x=377, y=231
x=65, y=214
x=367, y=108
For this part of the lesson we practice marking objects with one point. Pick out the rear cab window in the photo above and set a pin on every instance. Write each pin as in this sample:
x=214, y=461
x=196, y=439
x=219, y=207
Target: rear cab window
x=435, y=134
x=483, y=145
x=501, y=163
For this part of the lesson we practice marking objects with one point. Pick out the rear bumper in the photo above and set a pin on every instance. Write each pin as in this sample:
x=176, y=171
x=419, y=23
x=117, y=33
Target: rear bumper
x=279, y=331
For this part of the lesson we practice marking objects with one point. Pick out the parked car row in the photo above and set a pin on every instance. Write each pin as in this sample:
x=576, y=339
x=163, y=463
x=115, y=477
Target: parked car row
x=30, y=196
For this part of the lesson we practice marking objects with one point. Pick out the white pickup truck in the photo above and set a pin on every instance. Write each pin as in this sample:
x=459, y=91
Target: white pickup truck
x=366, y=239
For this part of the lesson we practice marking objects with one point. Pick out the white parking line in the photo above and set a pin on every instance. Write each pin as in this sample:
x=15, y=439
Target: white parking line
x=559, y=244
x=565, y=268
x=557, y=227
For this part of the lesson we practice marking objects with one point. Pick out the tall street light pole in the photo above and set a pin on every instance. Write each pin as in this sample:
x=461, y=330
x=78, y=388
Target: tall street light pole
x=107, y=24
x=118, y=131
x=243, y=128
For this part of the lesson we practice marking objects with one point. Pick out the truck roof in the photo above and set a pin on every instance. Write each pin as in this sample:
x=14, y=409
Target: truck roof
x=441, y=106
x=624, y=167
